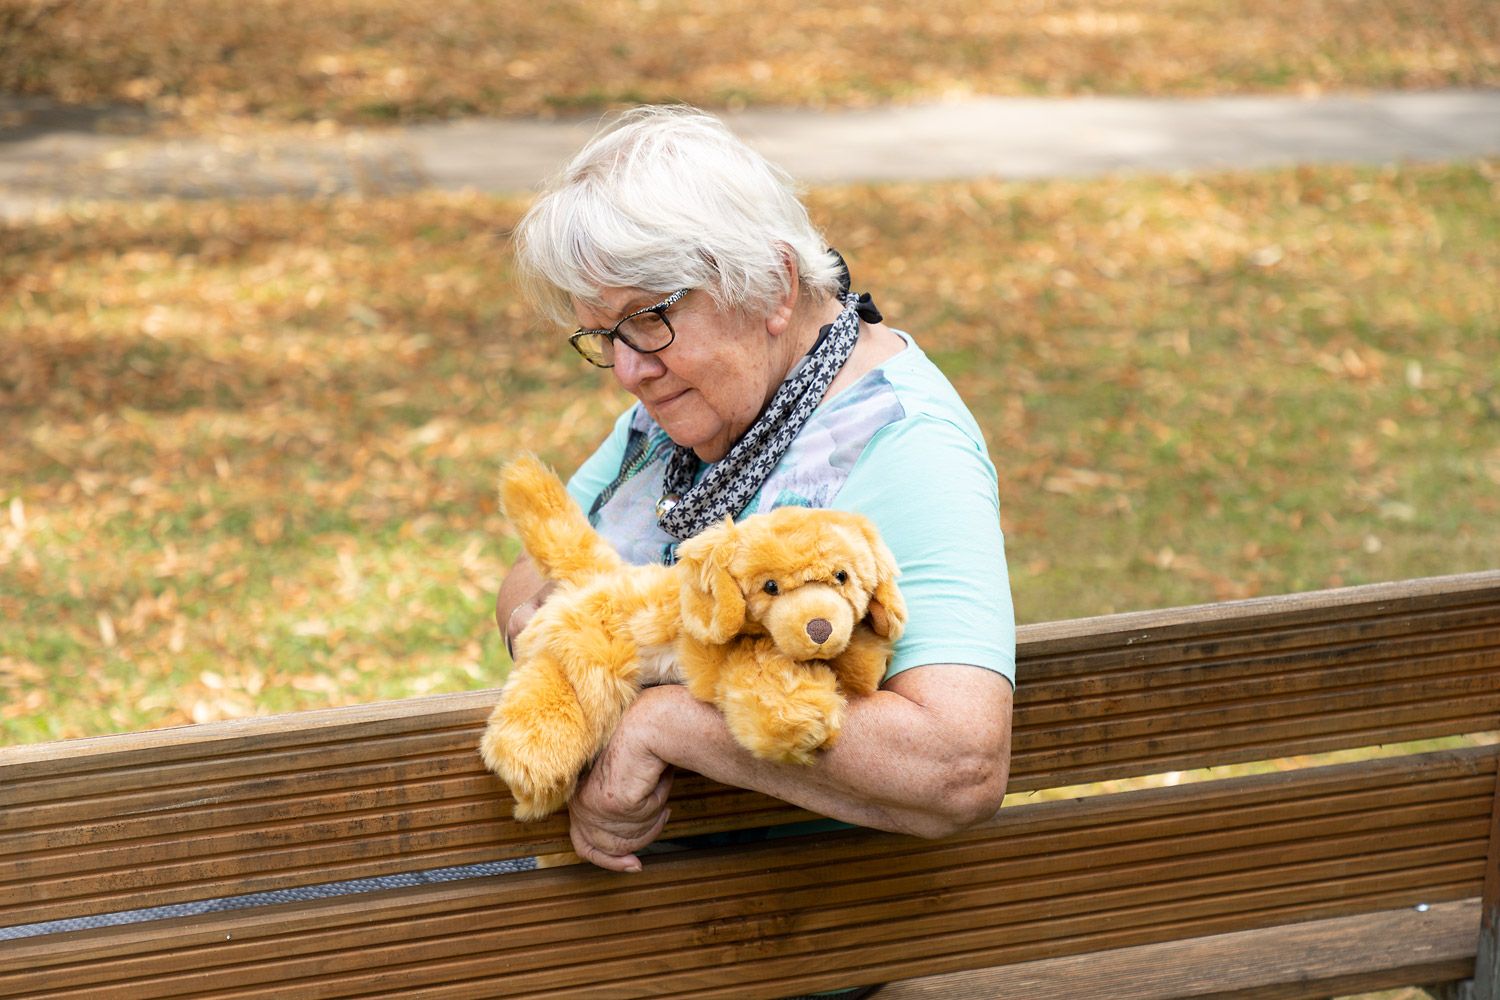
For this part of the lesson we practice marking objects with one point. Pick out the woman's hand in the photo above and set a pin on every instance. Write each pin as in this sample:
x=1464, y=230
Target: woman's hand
x=620, y=805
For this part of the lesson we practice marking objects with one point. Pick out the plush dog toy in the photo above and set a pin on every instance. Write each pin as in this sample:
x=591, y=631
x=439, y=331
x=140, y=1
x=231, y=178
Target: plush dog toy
x=776, y=620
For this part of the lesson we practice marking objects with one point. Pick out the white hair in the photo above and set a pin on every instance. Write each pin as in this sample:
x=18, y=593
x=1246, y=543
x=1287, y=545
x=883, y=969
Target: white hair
x=668, y=198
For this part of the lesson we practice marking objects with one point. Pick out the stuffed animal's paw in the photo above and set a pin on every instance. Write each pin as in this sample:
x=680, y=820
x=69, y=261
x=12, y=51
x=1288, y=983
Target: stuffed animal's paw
x=537, y=741
x=798, y=728
x=537, y=785
x=861, y=666
x=780, y=709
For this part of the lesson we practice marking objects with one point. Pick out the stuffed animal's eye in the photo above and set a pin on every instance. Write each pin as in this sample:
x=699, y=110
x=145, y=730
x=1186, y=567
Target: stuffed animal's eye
x=841, y=576
x=771, y=588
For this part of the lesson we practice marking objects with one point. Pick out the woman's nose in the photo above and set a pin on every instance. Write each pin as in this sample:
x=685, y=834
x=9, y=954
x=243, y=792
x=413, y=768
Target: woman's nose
x=632, y=368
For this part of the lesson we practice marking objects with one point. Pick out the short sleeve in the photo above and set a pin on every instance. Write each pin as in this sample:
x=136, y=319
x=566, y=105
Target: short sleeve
x=932, y=491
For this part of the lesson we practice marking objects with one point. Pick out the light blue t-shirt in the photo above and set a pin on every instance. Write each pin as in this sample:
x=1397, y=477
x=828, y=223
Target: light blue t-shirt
x=898, y=446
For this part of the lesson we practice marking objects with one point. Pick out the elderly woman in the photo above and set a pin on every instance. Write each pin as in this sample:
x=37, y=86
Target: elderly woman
x=697, y=281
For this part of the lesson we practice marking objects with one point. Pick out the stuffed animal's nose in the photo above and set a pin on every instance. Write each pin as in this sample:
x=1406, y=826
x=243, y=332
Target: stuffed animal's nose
x=819, y=630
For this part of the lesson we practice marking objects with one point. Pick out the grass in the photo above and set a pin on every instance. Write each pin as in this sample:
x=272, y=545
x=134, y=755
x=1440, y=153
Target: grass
x=378, y=61
x=249, y=448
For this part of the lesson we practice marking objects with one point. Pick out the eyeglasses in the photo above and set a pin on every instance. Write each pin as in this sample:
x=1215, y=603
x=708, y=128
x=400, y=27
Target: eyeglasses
x=644, y=331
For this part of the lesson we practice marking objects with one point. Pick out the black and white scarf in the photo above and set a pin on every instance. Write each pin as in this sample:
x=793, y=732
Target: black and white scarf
x=686, y=508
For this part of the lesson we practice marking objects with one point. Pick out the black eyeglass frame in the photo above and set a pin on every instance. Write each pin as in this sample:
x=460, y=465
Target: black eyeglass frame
x=614, y=334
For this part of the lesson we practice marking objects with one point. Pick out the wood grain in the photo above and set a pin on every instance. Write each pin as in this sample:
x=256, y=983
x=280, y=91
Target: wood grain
x=1041, y=880
x=157, y=818
x=1313, y=959
x=1487, y=960
x=148, y=819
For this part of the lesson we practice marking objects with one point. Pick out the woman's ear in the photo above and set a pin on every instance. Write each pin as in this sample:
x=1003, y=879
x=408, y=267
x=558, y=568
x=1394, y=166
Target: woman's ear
x=779, y=319
x=887, y=611
x=713, y=609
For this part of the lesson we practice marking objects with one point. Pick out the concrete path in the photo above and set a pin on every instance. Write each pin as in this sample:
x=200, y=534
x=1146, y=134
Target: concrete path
x=49, y=156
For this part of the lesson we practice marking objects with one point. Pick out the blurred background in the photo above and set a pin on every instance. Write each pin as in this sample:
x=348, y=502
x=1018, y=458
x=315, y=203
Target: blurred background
x=248, y=439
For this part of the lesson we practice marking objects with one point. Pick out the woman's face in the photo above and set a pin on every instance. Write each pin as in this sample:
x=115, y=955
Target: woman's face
x=707, y=387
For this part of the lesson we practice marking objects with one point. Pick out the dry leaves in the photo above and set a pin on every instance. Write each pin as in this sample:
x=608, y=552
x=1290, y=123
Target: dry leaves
x=381, y=60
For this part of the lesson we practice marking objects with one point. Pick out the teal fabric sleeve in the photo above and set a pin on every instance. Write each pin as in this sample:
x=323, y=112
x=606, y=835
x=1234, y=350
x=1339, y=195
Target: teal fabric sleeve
x=931, y=490
x=601, y=468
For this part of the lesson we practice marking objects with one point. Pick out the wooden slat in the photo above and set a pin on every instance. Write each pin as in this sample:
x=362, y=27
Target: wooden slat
x=1173, y=751
x=1051, y=706
x=48, y=764
x=1308, y=844
x=1487, y=960
x=1314, y=959
x=1273, y=715
x=875, y=971
x=1060, y=648
x=1137, y=661
x=150, y=819
x=50, y=829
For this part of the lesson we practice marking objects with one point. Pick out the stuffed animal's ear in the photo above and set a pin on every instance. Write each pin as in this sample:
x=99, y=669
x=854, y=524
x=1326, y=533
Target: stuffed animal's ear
x=713, y=609
x=887, y=611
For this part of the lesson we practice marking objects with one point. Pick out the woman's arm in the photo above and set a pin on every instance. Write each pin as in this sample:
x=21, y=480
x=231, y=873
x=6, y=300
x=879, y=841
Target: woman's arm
x=521, y=593
x=928, y=754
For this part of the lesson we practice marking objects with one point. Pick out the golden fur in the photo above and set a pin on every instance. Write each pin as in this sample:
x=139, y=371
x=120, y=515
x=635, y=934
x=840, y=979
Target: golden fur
x=709, y=621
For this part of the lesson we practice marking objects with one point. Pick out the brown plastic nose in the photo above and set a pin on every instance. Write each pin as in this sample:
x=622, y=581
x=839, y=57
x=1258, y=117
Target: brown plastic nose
x=819, y=630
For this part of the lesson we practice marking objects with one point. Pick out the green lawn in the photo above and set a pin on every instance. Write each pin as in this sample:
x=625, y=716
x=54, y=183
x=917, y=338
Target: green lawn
x=249, y=448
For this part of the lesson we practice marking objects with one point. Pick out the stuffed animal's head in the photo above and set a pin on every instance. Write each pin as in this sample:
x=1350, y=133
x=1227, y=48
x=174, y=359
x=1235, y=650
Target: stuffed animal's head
x=805, y=577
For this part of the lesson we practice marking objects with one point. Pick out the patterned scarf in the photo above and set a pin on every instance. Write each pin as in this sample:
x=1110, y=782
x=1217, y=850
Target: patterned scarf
x=686, y=509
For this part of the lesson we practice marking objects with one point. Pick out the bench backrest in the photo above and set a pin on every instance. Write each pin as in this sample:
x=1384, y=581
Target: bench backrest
x=214, y=812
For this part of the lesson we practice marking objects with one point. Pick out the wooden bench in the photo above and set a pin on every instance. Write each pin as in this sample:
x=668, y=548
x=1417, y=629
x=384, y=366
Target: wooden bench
x=1303, y=879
